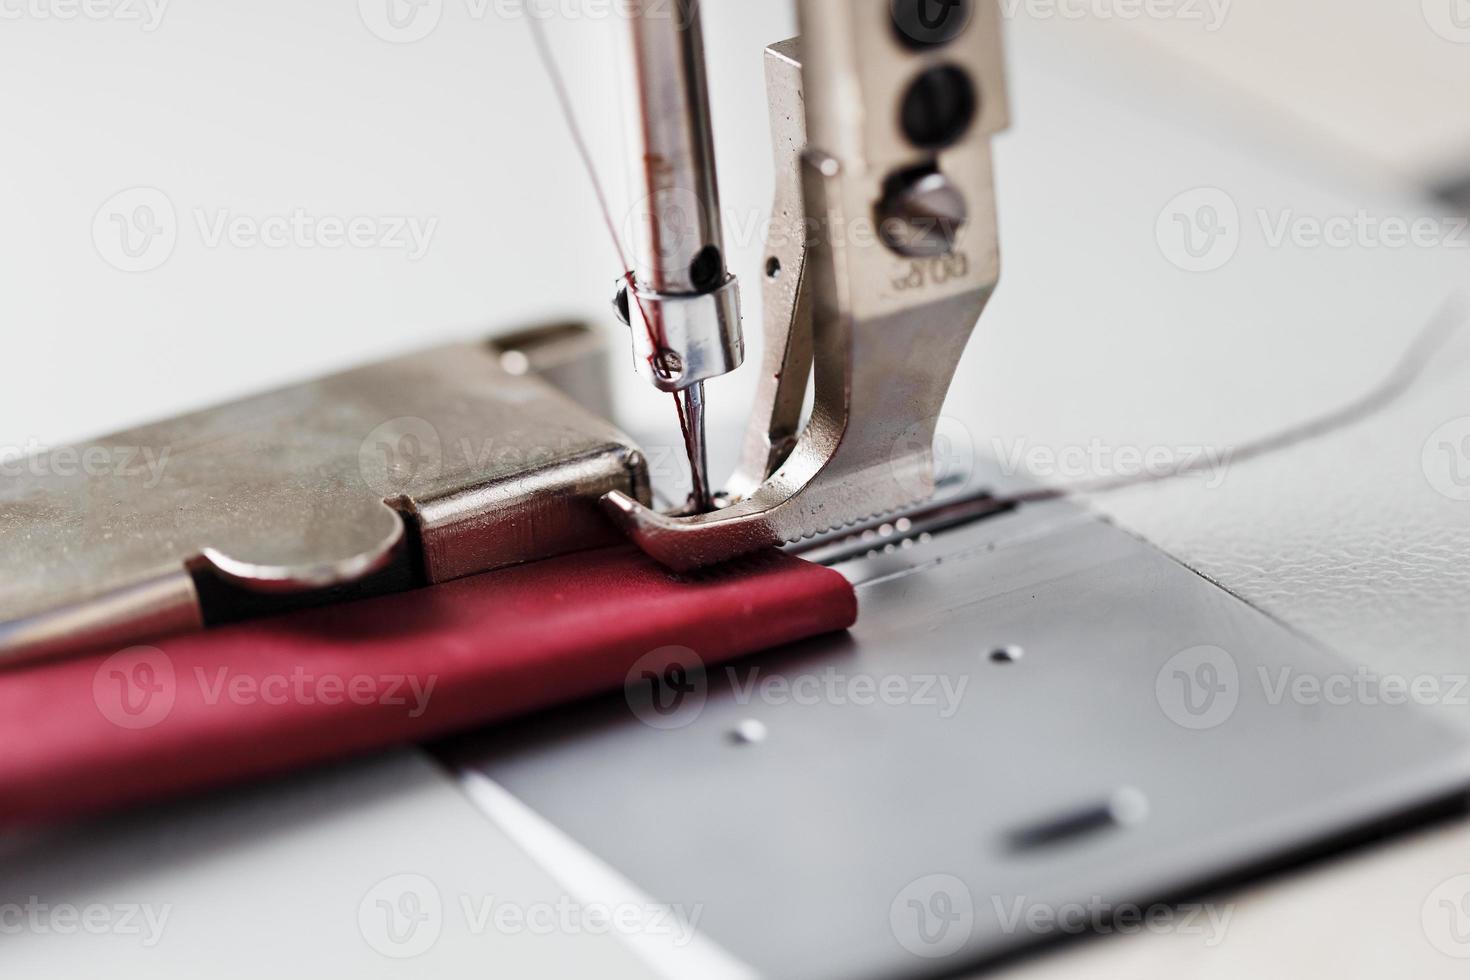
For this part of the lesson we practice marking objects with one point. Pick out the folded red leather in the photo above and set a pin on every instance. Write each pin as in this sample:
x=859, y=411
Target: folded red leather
x=206, y=709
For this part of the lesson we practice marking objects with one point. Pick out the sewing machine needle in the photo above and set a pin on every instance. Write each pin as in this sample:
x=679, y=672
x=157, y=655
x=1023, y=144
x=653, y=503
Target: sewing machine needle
x=691, y=417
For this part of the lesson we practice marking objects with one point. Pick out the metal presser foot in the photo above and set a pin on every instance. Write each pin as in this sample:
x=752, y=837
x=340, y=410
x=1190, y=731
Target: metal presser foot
x=882, y=255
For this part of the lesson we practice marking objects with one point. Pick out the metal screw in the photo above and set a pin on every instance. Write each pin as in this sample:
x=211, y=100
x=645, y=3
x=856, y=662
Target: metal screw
x=670, y=363
x=621, y=306
x=921, y=214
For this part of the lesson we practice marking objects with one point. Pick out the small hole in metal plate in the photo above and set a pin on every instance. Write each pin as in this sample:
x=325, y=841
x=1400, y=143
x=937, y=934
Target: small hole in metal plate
x=1125, y=808
x=1006, y=655
x=749, y=732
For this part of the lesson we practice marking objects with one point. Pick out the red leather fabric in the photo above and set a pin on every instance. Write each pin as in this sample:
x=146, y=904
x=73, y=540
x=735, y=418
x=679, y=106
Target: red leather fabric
x=218, y=707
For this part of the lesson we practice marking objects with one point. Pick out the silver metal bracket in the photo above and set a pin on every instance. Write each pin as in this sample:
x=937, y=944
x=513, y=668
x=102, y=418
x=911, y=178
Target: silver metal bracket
x=698, y=335
x=417, y=470
x=1074, y=719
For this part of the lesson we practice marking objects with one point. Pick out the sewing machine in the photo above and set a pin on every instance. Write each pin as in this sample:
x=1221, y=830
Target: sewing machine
x=1100, y=737
x=883, y=253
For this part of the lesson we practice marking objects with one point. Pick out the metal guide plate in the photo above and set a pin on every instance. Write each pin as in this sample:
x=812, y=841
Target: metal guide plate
x=305, y=489
x=1078, y=719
